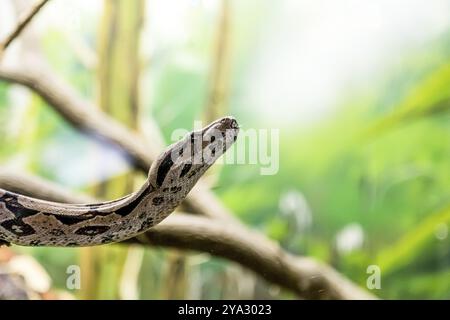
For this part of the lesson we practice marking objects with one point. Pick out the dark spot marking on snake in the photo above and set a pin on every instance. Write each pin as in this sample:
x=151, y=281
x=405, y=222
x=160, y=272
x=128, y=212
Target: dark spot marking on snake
x=175, y=189
x=35, y=243
x=71, y=220
x=56, y=232
x=193, y=173
x=72, y=244
x=142, y=215
x=92, y=230
x=164, y=168
x=4, y=243
x=12, y=204
x=193, y=144
x=157, y=201
x=107, y=239
x=146, y=224
x=18, y=227
x=126, y=210
x=185, y=169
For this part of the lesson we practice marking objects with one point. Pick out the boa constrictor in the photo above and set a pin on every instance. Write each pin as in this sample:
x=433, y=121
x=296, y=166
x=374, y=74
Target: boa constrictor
x=34, y=222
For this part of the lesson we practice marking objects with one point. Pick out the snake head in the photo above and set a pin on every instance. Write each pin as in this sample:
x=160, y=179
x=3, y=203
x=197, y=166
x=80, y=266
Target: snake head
x=185, y=161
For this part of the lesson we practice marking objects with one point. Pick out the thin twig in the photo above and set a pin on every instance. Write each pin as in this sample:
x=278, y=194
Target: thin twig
x=24, y=21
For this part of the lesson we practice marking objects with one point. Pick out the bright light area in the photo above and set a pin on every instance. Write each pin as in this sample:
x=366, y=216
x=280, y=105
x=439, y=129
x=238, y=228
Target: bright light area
x=316, y=49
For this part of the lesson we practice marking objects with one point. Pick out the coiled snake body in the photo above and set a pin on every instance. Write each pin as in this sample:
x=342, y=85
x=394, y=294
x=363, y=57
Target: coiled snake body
x=34, y=222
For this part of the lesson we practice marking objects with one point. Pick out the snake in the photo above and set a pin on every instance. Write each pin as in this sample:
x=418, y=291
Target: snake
x=28, y=221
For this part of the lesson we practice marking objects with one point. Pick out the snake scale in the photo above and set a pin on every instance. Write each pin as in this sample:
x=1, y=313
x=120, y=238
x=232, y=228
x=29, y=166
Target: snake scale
x=34, y=222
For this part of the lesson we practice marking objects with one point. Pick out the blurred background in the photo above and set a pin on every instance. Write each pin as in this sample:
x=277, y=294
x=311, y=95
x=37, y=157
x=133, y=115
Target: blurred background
x=359, y=91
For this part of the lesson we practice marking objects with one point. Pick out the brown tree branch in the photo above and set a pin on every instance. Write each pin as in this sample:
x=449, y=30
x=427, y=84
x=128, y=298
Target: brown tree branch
x=85, y=116
x=306, y=277
x=21, y=25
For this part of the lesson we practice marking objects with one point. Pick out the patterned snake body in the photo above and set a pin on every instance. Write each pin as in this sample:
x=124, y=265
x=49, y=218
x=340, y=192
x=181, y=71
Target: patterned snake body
x=34, y=222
